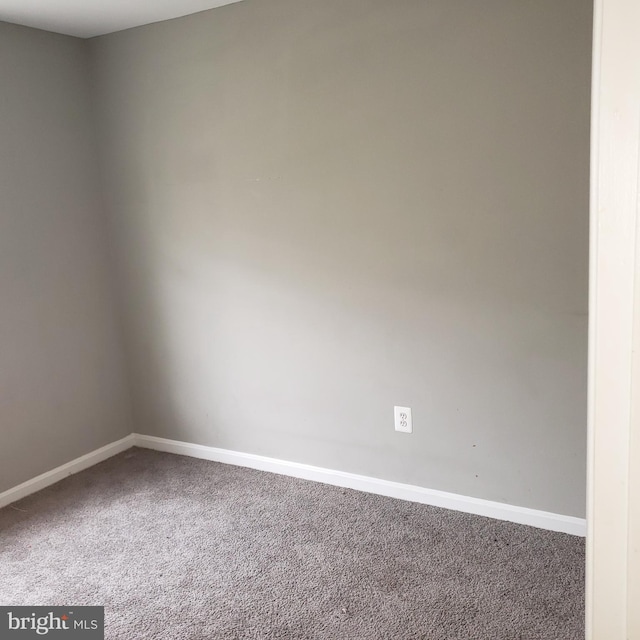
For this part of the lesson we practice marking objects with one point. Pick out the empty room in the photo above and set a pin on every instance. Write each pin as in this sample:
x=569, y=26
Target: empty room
x=295, y=325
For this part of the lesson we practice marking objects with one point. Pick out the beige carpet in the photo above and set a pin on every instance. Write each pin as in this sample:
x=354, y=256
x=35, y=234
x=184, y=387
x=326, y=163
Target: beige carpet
x=183, y=549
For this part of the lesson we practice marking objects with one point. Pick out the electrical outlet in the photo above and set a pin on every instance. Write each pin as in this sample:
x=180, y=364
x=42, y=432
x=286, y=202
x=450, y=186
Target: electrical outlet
x=402, y=419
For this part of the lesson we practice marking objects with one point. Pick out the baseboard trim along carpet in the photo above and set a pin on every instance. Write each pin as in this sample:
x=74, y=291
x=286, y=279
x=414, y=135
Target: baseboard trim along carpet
x=412, y=493
x=79, y=464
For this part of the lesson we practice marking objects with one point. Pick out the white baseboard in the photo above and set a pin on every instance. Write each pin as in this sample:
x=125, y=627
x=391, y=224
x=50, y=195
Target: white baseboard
x=488, y=508
x=53, y=476
x=477, y=506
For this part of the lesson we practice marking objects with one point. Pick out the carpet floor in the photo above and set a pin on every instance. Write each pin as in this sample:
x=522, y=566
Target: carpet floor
x=182, y=549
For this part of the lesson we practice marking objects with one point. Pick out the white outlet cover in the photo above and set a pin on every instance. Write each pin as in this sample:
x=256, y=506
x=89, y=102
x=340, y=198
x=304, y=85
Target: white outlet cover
x=402, y=419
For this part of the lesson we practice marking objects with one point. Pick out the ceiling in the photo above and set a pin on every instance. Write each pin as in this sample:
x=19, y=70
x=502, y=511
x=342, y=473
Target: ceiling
x=88, y=18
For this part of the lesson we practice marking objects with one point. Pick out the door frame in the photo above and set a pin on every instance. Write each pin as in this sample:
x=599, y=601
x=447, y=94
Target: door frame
x=613, y=461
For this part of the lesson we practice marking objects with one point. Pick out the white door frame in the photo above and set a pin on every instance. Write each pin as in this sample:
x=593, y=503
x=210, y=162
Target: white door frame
x=613, y=484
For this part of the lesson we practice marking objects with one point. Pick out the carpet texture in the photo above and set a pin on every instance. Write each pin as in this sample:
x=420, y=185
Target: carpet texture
x=182, y=549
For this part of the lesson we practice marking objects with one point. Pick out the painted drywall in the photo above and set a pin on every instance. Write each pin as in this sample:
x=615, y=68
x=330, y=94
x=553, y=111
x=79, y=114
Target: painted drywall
x=62, y=384
x=325, y=209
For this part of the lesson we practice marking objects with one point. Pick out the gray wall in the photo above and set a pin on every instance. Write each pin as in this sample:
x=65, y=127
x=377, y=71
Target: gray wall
x=327, y=208
x=62, y=384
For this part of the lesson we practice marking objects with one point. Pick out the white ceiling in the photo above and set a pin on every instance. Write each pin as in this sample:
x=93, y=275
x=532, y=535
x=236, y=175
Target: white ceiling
x=87, y=18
